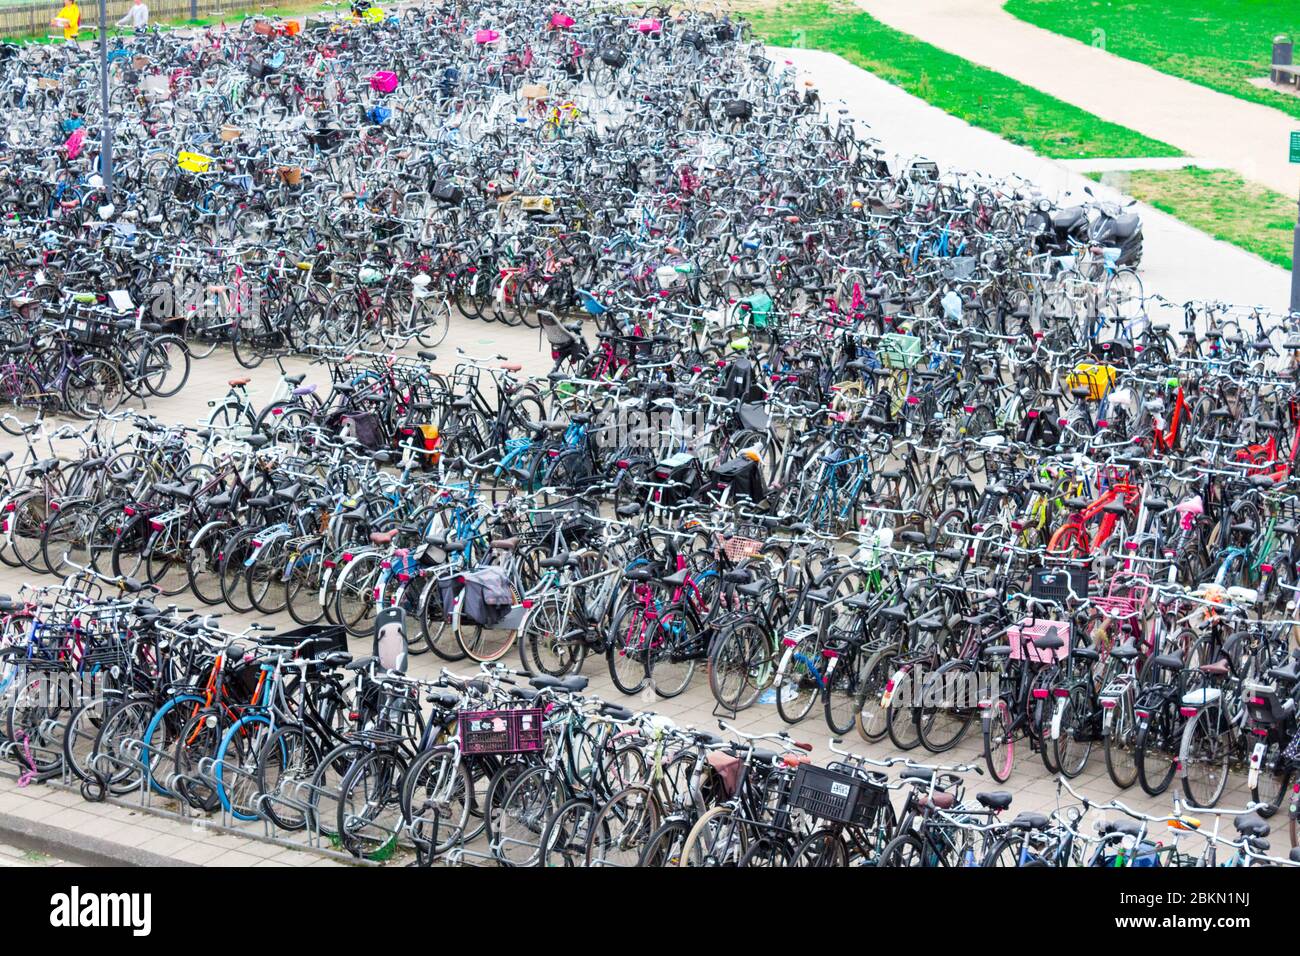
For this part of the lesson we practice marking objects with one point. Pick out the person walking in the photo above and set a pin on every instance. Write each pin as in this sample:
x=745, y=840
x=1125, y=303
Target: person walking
x=69, y=18
x=137, y=17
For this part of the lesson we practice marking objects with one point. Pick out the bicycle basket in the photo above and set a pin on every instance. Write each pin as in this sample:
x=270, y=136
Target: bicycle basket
x=957, y=268
x=501, y=731
x=1058, y=584
x=1097, y=379
x=1021, y=638
x=830, y=794
x=899, y=351
x=193, y=162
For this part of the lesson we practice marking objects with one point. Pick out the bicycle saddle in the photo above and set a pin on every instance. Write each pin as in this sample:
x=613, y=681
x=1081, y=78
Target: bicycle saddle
x=994, y=799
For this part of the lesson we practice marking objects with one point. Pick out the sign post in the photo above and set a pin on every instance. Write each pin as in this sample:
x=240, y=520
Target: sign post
x=106, y=146
x=1294, y=156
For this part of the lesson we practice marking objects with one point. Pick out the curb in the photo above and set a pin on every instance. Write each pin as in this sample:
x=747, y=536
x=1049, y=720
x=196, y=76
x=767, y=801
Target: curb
x=76, y=847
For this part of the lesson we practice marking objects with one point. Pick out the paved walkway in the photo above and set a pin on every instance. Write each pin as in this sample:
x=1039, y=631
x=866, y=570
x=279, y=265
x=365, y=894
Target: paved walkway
x=1179, y=262
x=1220, y=130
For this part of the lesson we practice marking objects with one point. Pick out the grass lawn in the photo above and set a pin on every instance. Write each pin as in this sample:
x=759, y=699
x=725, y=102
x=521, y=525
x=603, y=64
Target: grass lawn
x=1221, y=44
x=982, y=97
x=243, y=10
x=1218, y=202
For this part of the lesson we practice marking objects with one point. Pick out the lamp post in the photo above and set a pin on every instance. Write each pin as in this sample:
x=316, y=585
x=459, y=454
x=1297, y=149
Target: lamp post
x=106, y=144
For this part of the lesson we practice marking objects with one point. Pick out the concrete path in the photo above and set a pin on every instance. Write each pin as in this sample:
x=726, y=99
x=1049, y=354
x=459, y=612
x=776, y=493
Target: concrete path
x=1180, y=263
x=1219, y=129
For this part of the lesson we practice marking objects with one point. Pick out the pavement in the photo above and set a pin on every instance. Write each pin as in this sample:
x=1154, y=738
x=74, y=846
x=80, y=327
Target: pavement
x=1181, y=263
x=1218, y=129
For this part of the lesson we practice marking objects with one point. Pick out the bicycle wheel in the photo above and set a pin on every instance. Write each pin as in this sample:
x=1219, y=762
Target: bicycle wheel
x=203, y=568
x=1273, y=782
x=27, y=523
x=93, y=387
x=719, y=838
x=545, y=646
x=666, y=845
x=629, y=638
x=1120, y=747
x=801, y=687
x=167, y=366
x=949, y=707
x=234, y=553
x=766, y=853
x=24, y=398
x=528, y=806
x=265, y=581
x=287, y=762
x=741, y=665
x=369, y=815
x=999, y=743
x=823, y=848
x=302, y=590
x=564, y=844
x=1074, y=740
x=903, y=851
x=622, y=828
x=167, y=560
x=68, y=533
x=1204, y=754
x=115, y=755
x=354, y=595
x=1156, y=752
x=871, y=715
x=197, y=742
x=902, y=716
x=437, y=797
x=673, y=651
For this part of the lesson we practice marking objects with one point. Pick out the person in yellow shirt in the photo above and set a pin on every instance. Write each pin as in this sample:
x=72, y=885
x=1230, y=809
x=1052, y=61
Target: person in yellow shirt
x=70, y=19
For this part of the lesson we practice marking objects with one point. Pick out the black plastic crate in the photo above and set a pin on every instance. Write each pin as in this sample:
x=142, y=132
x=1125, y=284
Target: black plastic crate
x=1059, y=584
x=325, y=639
x=837, y=796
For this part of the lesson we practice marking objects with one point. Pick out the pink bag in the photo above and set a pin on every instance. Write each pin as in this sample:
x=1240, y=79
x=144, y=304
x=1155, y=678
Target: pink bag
x=73, y=145
x=649, y=25
x=383, y=81
x=486, y=36
x=561, y=21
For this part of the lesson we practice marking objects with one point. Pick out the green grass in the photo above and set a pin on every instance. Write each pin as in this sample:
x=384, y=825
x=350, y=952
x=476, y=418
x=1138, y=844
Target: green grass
x=987, y=99
x=1218, y=202
x=1221, y=44
x=89, y=33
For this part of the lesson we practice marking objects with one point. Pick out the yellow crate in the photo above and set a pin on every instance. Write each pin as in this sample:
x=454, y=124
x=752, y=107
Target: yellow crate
x=1097, y=379
x=193, y=162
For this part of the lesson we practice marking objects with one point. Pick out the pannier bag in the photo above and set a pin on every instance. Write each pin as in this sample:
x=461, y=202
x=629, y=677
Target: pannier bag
x=364, y=429
x=383, y=81
x=378, y=115
x=561, y=21
x=614, y=58
x=448, y=193
x=484, y=594
x=743, y=475
x=682, y=473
